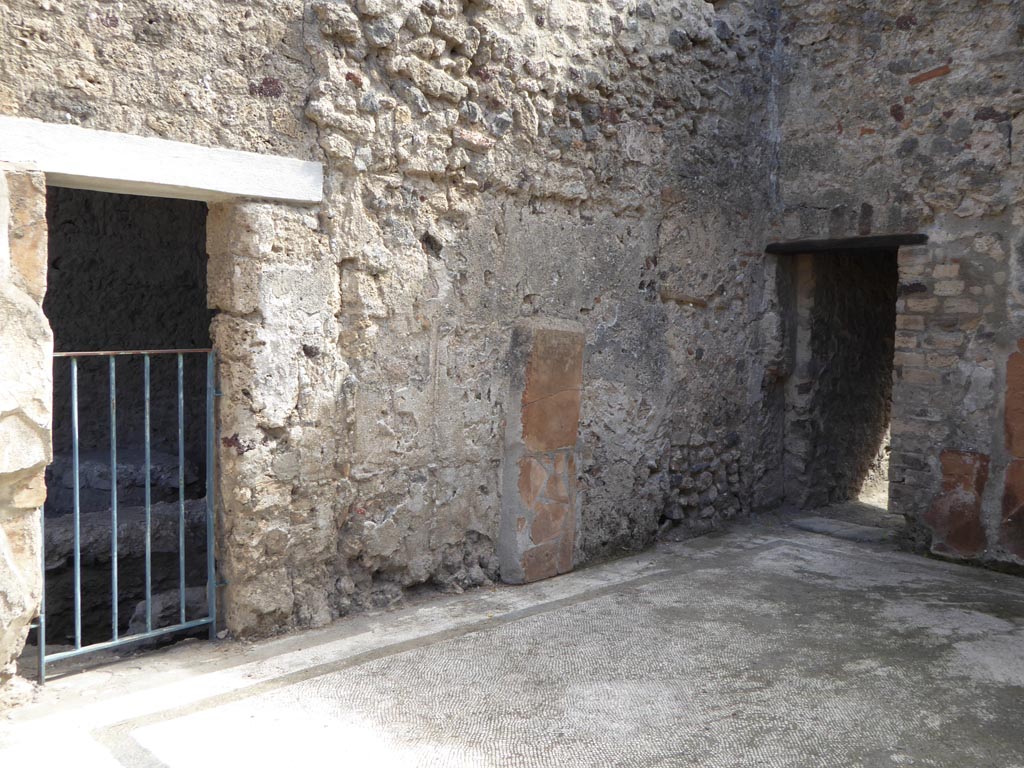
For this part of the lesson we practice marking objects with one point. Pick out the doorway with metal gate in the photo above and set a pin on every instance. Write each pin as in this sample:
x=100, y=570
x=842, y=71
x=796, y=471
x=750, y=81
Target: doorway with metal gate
x=128, y=551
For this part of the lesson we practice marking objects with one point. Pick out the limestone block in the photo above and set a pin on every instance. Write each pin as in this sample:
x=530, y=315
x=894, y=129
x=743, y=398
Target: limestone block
x=27, y=231
x=22, y=445
x=26, y=344
x=1011, y=529
x=19, y=598
x=239, y=237
x=30, y=493
x=540, y=501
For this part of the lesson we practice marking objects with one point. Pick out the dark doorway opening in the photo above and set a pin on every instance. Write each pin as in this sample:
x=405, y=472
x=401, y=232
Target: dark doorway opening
x=841, y=317
x=125, y=273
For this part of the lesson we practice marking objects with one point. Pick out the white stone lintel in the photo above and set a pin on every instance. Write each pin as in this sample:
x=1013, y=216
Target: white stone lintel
x=104, y=161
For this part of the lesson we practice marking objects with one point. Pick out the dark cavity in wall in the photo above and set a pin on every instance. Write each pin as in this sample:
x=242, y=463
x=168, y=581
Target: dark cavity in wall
x=125, y=273
x=841, y=317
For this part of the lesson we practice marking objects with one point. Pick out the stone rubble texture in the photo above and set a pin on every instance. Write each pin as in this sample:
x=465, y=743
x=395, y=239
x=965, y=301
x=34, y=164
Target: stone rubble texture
x=25, y=402
x=904, y=121
x=618, y=165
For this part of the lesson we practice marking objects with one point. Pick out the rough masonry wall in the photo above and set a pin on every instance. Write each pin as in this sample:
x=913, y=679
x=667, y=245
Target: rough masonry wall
x=600, y=163
x=213, y=73
x=573, y=161
x=25, y=348
x=898, y=118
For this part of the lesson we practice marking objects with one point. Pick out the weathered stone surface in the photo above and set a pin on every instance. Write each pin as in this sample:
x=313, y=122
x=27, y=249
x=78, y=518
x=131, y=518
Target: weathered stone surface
x=25, y=390
x=616, y=167
x=165, y=610
x=28, y=233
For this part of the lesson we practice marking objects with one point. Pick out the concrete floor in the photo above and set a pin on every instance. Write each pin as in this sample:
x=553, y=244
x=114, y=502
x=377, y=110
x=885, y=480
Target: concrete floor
x=766, y=646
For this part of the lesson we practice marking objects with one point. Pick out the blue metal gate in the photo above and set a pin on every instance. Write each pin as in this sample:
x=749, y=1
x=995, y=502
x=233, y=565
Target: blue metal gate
x=117, y=638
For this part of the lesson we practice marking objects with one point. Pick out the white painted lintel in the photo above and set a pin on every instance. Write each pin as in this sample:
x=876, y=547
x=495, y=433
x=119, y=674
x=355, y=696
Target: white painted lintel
x=104, y=161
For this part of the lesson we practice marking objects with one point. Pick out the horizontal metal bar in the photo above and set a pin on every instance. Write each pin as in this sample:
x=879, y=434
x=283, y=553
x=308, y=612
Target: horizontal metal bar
x=114, y=353
x=128, y=640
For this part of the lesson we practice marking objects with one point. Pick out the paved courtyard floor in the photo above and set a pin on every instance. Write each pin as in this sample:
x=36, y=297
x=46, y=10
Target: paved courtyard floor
x=769, y=645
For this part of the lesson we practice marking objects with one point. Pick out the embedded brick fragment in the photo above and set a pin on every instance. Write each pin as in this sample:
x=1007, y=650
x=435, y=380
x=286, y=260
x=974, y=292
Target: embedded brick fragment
x=540, y=562
x=549, y=521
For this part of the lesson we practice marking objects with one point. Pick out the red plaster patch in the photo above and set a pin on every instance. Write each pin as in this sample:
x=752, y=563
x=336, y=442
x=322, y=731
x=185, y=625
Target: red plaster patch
x=1014, y=419
x=1011, y=530
x=955, y=514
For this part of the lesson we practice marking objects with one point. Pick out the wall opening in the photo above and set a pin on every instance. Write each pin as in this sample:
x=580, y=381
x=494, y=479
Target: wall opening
x=841, y=317
x=125, y=273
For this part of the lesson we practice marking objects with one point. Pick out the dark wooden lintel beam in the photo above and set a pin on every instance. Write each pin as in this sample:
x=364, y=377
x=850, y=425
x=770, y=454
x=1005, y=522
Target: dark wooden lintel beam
x=874, y=242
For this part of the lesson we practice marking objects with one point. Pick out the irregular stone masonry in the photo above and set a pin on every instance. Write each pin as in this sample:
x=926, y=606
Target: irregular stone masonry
x=26, y=345
x=615, y=165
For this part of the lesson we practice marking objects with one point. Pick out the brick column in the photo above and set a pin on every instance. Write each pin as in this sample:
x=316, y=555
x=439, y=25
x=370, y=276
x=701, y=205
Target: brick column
x=948, y=452
x=26, y=348
x=539, y=500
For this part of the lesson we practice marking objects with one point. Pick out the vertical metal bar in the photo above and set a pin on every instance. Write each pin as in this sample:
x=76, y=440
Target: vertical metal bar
x=149, y=521
x=181, y=488
x=113, y=499
x=41, y=641
x=211, y=568
x=78, y=503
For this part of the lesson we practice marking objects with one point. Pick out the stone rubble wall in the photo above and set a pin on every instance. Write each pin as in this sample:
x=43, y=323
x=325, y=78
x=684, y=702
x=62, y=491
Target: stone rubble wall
x=484, y=166
x=618, y=165
x=493, y=162
x=26, y=345
x=903, y=118
x=607, y=164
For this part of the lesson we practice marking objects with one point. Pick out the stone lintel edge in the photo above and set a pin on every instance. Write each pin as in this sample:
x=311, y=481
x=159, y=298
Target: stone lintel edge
x=105, y=161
